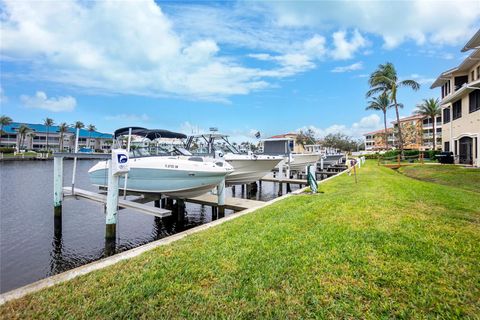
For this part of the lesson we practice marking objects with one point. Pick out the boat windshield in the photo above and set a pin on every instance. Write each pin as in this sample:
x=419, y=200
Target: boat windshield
x=208, y=144
x=149, y=152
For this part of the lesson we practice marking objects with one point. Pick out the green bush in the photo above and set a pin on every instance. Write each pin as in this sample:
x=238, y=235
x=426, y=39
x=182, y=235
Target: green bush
x=430, y=154
x=7, y=150
x=372, y=156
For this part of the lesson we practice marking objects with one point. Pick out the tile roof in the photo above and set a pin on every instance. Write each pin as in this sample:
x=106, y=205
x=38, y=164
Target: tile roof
x=378, y=131
x=13, y=127
x=281, y=136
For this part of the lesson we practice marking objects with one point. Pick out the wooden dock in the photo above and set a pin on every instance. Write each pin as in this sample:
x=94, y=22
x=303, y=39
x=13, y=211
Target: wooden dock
x=128, y=204
x=285, y=180
x=236, y=204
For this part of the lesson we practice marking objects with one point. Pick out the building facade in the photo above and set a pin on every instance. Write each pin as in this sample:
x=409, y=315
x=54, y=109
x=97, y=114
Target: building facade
x=460, y=92
x=289, y=139
x=36, y=138
x=375, y=140
x=417, y=133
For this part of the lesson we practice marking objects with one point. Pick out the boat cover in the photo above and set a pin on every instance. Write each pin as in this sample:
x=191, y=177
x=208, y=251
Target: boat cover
x=149, y=133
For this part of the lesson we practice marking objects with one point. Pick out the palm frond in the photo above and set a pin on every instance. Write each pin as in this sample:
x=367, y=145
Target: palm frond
x=409, y=83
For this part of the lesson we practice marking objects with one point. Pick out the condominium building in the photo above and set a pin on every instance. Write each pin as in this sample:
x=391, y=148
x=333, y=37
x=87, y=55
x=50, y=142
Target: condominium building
x=375, y=140
x=417, y=134
x=460, y=92
x=36, y=138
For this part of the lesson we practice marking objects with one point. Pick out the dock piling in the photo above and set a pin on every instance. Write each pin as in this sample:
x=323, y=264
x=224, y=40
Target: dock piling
x=180, y=209
x=57, y=186
x=112, y=201
x=221, y=197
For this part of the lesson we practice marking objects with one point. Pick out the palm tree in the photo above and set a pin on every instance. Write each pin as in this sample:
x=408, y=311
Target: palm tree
x=430, y=108
x=62, y=128
x=4, y=121
x=381, y=103
x=385, y=80
x=48, y=122
x=91, y=128
x=77, y=125
x=23, y=130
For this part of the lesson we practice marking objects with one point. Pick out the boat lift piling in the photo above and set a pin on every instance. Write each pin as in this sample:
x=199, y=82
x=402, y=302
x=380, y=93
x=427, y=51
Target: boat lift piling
x=221, y=198
x=57, y=192
x=112, y=204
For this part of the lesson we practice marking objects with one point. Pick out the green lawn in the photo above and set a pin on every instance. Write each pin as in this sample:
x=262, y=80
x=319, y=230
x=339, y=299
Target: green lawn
x=450, y=175
x=387, y=247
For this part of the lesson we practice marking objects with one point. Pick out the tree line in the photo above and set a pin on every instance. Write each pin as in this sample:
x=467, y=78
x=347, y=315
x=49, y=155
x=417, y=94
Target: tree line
x=384, y=85
x=24, y=131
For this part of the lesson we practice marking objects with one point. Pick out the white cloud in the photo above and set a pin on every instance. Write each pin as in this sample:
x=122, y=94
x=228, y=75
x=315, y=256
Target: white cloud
x=422, y=21
x=356, y=130
x=421, y=79
x=54, y=104
x=129, y=48
x=344, y=48
x=351, y=67
x=124, y=117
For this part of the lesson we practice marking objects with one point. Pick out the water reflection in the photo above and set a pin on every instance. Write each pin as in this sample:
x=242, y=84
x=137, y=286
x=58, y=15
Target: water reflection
x=34, y=245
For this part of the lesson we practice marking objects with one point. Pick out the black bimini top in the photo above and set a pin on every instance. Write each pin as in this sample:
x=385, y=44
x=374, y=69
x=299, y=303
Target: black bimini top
x=149, y=133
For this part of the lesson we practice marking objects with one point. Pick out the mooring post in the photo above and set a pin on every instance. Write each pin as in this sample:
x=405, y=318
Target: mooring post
x=169, y=203
x=321, y=164
x=280, y=189
x=221, y=197
x=57, y=186
x=74, y=172
x=156, y=203
x=288, y=188
x=112, y=204
x=163, y=202
x=180, y=209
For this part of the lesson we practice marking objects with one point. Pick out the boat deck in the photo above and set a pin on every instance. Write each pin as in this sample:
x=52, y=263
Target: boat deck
x=236, y=204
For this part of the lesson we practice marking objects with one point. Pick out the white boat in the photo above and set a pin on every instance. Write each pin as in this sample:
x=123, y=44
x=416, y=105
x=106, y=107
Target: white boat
x=299, y=161
x=247, y=167
x=175, y=176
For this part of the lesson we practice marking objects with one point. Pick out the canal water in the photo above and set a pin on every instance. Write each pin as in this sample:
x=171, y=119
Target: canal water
x=30, y=250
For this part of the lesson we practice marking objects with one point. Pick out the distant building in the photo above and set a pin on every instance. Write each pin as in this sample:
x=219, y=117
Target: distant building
x=460, y=92
x=281, y=143
x=375, y=140
x=417, y=134
x=36, y=138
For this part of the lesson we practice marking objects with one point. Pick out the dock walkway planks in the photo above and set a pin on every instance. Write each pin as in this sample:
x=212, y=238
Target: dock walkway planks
x=130, y=204
x=285, y=180
x=231, y=203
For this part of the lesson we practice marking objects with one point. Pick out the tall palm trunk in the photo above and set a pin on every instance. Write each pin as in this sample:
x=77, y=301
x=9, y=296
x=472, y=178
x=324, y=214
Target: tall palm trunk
x=400, y=138
x=48, y=131
x=385, y=125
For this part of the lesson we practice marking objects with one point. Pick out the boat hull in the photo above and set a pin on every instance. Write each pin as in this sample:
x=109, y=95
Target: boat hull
x=301, y=160
x=156, y=178
x=249, y=170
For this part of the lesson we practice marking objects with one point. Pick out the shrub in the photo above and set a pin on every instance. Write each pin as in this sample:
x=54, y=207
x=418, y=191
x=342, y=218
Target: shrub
x=7, y=150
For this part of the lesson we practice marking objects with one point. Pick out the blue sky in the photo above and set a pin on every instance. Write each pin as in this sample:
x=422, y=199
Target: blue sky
x=241, y=66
